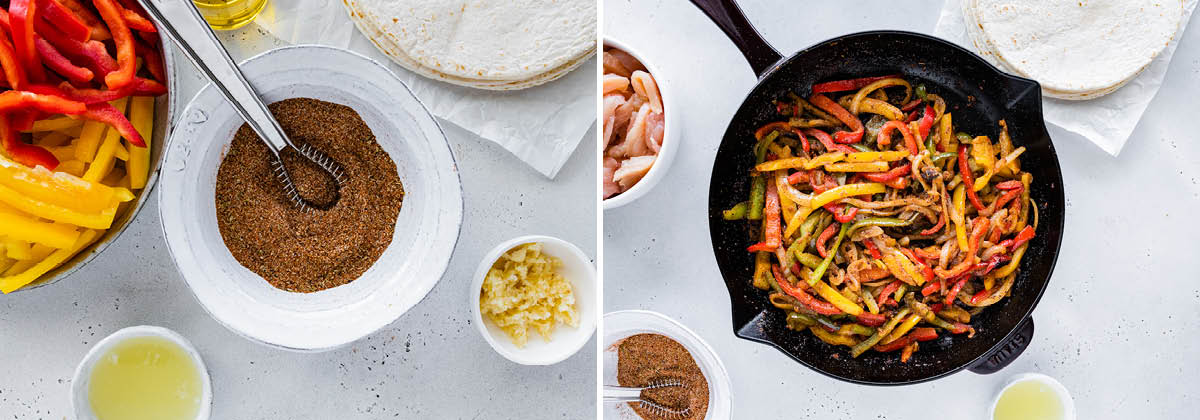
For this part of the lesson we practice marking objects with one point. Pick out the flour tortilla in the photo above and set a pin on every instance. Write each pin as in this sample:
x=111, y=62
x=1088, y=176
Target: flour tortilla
x=498, y=45
x=1075, y=49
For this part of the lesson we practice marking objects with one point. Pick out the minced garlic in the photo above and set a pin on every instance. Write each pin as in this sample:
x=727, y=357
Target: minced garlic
x=524, y=290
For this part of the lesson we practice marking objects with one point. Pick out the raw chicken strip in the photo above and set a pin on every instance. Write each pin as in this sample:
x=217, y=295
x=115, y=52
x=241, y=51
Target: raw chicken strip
x=624, y=113
x=611, y=103
x=654, y=131
x=632, y=170
x=614, y=83
x=644, y=85
x=610, y=187
x=627, y=61
x=635, y=139
x=613, y=65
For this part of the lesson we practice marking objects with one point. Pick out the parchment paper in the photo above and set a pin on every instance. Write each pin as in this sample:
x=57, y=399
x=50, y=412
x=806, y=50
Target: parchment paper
x=1106, y=121
x=540, y=125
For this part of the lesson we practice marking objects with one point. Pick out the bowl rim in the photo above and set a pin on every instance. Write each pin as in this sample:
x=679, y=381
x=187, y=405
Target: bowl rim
x=81, y=378
x=441, y=268
x=666, y=155
x=522, y=356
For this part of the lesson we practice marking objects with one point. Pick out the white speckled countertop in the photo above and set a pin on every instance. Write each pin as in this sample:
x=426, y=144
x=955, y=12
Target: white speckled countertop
x=431, y=363
x=1117, y=324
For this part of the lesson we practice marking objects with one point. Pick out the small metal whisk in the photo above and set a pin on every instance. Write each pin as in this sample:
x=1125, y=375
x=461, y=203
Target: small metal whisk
x=619, y=394
x=182, y=23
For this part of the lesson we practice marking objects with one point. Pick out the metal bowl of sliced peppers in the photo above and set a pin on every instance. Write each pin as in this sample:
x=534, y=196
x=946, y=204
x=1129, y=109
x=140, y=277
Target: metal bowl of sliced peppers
x=85, y=110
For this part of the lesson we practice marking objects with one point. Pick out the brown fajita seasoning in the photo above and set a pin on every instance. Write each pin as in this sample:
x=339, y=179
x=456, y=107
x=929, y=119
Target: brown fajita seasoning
x=311, y=251
x=643, y=359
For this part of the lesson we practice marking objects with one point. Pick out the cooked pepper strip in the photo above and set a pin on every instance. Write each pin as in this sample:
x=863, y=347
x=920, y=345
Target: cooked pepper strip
x=887, y=328
x=885, y=156
x=105, y=113
x=856, y=126
x=827, y=141
x=858, y=167
x=878, y=221
x=778, y=126
x=819, y=272
x=1022, y=237
x=884, y=138
x=845, y=191
x=953, y=292
x=851, y=84
x=806, y=299
x=123, y=38
x=823, y=238
x=967, y=179
x=917, y=334
x=926, y=122
x=890, y=175
x=774, y=226
x=836, y=298
x=932, y=230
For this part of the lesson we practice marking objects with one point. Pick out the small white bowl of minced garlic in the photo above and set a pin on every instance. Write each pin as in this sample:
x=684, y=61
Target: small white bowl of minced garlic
x=534, y=299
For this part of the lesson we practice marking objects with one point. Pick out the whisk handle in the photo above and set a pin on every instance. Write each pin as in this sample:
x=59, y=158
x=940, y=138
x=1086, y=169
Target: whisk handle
x=621, y=393
x=181, y=21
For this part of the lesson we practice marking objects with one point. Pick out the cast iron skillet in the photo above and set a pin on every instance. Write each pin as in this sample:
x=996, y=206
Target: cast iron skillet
x=979, y=95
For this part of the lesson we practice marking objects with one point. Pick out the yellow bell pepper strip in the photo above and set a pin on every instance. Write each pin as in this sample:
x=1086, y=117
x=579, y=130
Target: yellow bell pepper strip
x=988, y=297
x=833, y=339
x=795, y=291
x=113, y=116
x=779, y=164
x=17, y=249
x=27, y=154
x=29, y=229
x=9, y=283
x=762, y=268
x=959, y=215
x=38, y=252
x=881, y=332
x=983, y=153
x=121, y=153
x=54, y=124
x=848, y=118
x=982, y=181
x=946, y=135
x=856, y=102
x=885, y=156
x=97, y=220
x=875, y=106
x=1012, y=265
x=845, y=191
x=89, y=141
x=824, y=159
x=55, y=188
x=830, y=294
x=104, y=157
x=857, y=167
x=902, y=329
x=968, y=179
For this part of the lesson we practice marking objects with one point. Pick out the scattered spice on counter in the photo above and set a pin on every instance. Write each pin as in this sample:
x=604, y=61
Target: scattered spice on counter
x=646, y=358
x=311, y=251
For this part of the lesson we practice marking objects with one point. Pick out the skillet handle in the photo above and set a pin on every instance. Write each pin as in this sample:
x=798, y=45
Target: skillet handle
x=729, y=17
x=1013, y=347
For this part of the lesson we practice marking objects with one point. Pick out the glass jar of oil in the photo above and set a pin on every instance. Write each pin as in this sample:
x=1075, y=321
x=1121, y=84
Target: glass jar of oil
x=229, y=14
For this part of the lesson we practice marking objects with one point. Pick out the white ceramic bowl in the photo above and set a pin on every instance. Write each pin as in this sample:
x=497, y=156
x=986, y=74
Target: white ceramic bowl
x=426, y=229
x=1064, y=396
x=670, y=144
x=83, y=373
x=623, y=324
x=565, y=340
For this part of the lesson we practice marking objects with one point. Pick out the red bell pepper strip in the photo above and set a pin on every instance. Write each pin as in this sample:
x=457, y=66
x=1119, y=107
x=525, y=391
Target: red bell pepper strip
x=926, y=270
x=870, y=319
x=885, y=295
x=1004, y=199
x=803, y=140
x=123, y=38
x=64, y=19
x=981, y=295
x=953, y=292
x=851, y=84
x=836, y=210
x=986, y=267
x=16, y=100
x=798, y=177
x=824, y=237
x=84, y=12
x=898, y=183
x=23, y=120
x=783, y=108
x=1024, y=236
x=872, y=249
x=25, y=154
x=937, y=307
x=818, y=306
x=917, y=334
x=60, y=64
x=978, y=231
x=891, y=174
x=14, y=72
x=92, y=54
x=931, y=288
x=856, y=126
x=926, y=122
x=137, y=22
x=23, y=15
x=153, y=61
x=827, y=141
x=774, y=226
x=911, y=105
x=885, y=135
x=769, y=127
x=1011, y=184
x=140, y=87
x=105, y=113
x=968, y=179
x=941, y=222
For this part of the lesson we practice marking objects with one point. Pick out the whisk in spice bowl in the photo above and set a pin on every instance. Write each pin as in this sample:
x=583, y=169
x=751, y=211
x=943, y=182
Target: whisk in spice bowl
x=621, y=394
x=181, y=22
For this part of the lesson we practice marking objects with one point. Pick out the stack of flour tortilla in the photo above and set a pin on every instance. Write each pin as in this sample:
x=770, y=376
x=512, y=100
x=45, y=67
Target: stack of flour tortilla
x=1079, y=49
x=485, y=44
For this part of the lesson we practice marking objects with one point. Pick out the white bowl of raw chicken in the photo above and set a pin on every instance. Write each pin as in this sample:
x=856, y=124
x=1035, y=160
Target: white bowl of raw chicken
x=625, y=181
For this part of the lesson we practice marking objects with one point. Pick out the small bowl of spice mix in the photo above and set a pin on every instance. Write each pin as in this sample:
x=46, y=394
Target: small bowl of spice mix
x=643, y=348
x=534, y=299
x=312, y=279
